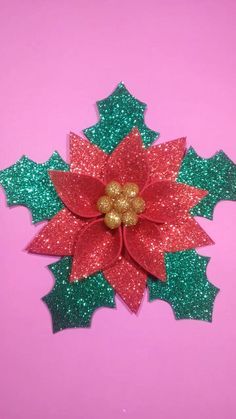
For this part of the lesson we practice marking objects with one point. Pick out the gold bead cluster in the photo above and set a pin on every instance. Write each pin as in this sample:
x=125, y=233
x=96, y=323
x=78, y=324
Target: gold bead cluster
x=121, y=204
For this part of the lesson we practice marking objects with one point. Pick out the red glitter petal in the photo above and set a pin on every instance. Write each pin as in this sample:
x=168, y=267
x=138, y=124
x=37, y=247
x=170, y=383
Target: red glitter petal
x=128, y=163
x=86, y=158
x=143, y=244
x=183, y=234
x=97, y=248
x=58, y=236
x=78, y=192
x=165, y=159
x=166, y=200
x=128, y=280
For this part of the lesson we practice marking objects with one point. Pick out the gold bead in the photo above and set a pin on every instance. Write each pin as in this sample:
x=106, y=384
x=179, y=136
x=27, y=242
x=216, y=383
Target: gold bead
x=104, y=204
x=113, y=189
x=130, y=189
x=112, y=219
x=129, y=218
x=121, y=204
x=138, y=204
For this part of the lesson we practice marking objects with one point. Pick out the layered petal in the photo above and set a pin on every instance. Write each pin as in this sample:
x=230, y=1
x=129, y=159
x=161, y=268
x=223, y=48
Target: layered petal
x=183, y=234
x=78, y=192
x=143, y=244
x=58, y=236
x=167, y=200
x=86, y=158
x=128, y=279
x=96, y=249
x=165, y=159
x=128, y=163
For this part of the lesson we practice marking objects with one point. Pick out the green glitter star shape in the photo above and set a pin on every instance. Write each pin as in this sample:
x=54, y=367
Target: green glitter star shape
x=27, y=183
x=73, y=304
x=217, y=175
x=119, y=113
x=187, y=288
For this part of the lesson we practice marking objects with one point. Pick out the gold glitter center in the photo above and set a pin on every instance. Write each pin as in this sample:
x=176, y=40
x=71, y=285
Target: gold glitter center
x=121, y=204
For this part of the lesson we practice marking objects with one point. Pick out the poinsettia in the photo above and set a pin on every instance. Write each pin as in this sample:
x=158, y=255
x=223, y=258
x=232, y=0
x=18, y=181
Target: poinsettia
x=122, y=212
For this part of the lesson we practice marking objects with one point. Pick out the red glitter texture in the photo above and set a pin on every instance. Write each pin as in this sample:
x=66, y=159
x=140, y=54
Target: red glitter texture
x=128, y=162
x=86, y=158
x=164, y=160
x=128, y=279
x=97, y=248
x=58, y=236
x=166, y=200
x=79, y=193
x=147, y=250
x=125, y=255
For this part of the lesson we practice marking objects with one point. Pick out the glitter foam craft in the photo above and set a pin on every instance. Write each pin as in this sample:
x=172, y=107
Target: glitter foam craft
x=121, y=216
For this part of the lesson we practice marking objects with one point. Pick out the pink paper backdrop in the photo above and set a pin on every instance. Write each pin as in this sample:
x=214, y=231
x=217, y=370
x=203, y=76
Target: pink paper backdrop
x=57, y=59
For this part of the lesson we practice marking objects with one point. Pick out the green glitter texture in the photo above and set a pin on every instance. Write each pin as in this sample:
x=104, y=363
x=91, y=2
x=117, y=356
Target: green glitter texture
x=217, y=175
x=187, y=288
x=27, y=183
x=119, y=113
x=73, y=304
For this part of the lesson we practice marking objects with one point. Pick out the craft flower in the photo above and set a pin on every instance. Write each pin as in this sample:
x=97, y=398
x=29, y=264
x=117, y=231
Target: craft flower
x=122, y=212
x=121, y=216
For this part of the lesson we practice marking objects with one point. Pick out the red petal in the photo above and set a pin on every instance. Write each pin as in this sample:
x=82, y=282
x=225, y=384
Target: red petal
x=97, y=248
x=128, y=163
x=58, y=236
x=78, y=192
x=86, y=158
x=182, y=235
x=143, y=244
x=129, y=281
x=165, y=159
x=166, y=200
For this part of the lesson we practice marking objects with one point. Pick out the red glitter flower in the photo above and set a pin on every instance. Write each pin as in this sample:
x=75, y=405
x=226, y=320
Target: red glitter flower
x=128, y=253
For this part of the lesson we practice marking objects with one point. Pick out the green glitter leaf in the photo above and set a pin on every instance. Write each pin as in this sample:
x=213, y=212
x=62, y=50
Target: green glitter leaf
x=119, y=113
x=27, y=183
x=187, y=288
x=73, y=304
x=217, y=175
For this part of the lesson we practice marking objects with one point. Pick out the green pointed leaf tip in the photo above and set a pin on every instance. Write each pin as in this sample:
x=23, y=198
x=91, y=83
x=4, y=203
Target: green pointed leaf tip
x=217, y=175
x=27, y=183
x=73, y=304
x=187, y=288
x=119, y=113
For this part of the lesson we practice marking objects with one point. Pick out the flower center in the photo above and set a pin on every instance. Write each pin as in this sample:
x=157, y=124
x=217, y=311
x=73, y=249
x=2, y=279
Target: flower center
x=121, y=204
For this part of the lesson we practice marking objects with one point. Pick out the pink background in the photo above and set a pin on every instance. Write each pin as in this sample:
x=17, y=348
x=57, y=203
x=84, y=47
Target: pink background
x=57, y=59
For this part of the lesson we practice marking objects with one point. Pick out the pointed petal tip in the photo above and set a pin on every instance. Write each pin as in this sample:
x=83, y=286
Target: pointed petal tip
x=209, y=241
x=128, y=280
x=181, y=140
x=30, y=248
x=135, y=131
x=204, y=192
x=73, y=138
x=134, y=308
x=161, y=276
